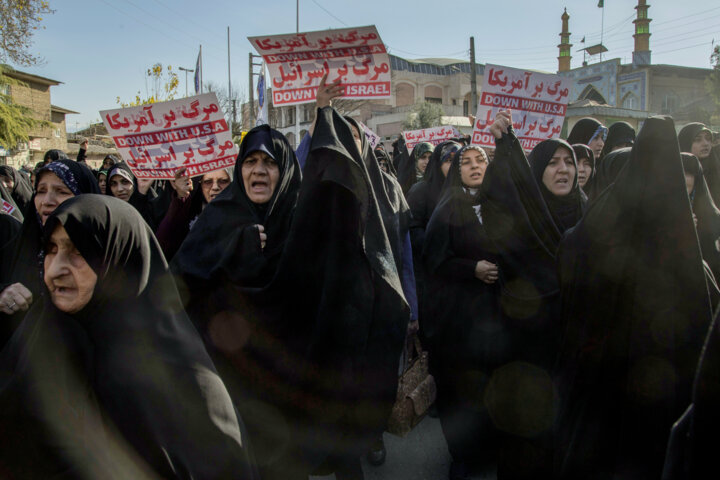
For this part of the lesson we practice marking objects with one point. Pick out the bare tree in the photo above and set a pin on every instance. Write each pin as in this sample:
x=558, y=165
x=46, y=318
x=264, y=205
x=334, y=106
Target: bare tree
x=226, y=103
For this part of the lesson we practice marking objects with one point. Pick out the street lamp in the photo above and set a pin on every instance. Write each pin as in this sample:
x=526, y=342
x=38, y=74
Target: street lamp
x=186, y=70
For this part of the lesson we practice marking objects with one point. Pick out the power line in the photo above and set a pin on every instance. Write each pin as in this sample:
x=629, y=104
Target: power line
x=190, y=20
x=330, y=13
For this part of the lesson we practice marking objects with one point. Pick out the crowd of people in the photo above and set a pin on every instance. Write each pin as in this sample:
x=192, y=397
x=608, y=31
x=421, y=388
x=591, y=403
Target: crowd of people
x=252, y=322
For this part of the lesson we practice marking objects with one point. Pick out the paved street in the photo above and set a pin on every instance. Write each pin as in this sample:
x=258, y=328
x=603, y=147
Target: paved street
x=421, y=455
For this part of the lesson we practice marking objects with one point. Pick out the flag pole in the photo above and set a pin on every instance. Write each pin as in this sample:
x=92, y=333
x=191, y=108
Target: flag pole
x=201, y=71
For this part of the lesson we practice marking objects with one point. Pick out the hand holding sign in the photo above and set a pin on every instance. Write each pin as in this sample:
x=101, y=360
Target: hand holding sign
x=326, y=92
x=503, y=120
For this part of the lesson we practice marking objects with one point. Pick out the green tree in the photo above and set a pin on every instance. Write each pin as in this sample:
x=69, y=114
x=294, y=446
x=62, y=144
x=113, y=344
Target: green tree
x=712, y=83
x=16, y=121
x=161, y=85
x=424, y=115
x=18, y=21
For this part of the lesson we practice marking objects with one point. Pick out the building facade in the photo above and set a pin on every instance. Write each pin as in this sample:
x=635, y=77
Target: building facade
x=34, y=93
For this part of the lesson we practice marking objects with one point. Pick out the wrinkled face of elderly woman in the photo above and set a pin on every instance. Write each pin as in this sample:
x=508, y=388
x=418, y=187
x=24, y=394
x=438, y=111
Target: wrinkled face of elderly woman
x=260, y=174
x=51, y=192
x=68, y=277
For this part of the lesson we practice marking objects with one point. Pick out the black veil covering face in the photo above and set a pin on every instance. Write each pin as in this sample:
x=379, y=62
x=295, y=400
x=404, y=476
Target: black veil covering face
x=707, y=213
x=224, y=243
x=123, y=388
x=636, y=310
x=619, y=133
x=460, y=322
x=24, y=265
x=710, y=164
x=22, y=191
x=525, y=225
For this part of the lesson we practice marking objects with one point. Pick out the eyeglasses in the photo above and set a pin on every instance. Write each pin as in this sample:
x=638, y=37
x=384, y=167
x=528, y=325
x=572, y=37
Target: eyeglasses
x=222, y=183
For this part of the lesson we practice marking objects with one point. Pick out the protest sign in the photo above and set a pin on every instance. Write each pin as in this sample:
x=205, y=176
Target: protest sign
x=7, y=207
x=538, y=102
x=297, y=62
x=157, y=139
x=372, y=137
x=434, y=135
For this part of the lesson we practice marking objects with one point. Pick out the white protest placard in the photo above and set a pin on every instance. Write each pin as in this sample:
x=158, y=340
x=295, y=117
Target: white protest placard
x=297, y=62
x=434, y=135
x=157, y=139
x=372, y=137
x=538, y=102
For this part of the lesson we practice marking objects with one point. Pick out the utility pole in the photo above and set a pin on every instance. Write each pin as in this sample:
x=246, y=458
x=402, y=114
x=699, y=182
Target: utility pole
x=473, y=79
x=186, y=70
x=232, y=120
x=251, y=89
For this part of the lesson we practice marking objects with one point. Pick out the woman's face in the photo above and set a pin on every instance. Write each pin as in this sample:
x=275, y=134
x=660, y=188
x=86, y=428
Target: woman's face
x=102, y=182
x=107, y=164
x=584, y=171
x=472, y=168
x=260, y=175
x=356, y=137
x=7, y=182
x=702, y=144
x=422, y=161
x=68, y=276
x=559, y=174
x=596, y=145
x=121, y=187
x=213, y=183
x=689, y=182
x=51, y=192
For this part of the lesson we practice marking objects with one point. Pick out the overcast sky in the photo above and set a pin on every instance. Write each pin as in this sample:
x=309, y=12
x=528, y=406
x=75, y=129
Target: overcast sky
x=100, y=49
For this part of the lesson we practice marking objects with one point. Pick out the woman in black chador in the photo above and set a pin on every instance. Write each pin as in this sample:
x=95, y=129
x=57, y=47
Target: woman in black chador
x=527, y=206
x=462, y=325
x=636, y=310
x=106, y=376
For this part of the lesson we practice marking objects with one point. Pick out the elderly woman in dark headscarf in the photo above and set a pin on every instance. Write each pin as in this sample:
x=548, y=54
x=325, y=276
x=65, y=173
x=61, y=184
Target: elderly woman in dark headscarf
x=590, y=132
x=461, y=321
x=412, y=168
x=106, y=377
x=528, y=205
x=54, y=183
x=18, y=185
x=620, y=135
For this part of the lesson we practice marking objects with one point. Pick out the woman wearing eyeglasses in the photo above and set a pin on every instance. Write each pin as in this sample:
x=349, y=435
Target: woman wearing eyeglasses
x=189, y=199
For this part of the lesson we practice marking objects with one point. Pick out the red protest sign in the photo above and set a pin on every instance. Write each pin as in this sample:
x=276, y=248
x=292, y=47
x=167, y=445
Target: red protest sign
x=155, y=140
x=355, y=56
x=538, y=102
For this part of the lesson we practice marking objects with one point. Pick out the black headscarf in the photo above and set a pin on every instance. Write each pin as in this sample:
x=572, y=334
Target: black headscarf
x=565, y=210
x=22, y=191
x=146, y=204
x=54, y=155
x=606, y=172
x=710, y=164
x=407, y=166
x=585, y=130
x=123, y=385
x=8, y=198
x=382, y=156
x=455, y=240
x=636, y=309
x=24, y=266
x=224, y=242
x=400, y=152
x=708, y=215
x=583, y=151
x=619, y=133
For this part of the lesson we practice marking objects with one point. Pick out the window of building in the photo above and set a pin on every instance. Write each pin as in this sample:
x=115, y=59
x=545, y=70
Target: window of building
x=631, y=101
x=291, y=116
x=58, y=134
x=307, y=112
x=669, y=104
x=466, y=107
x=642, y=28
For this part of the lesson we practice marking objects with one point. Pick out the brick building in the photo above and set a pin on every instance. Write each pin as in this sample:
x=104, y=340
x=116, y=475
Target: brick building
x=34, y=93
